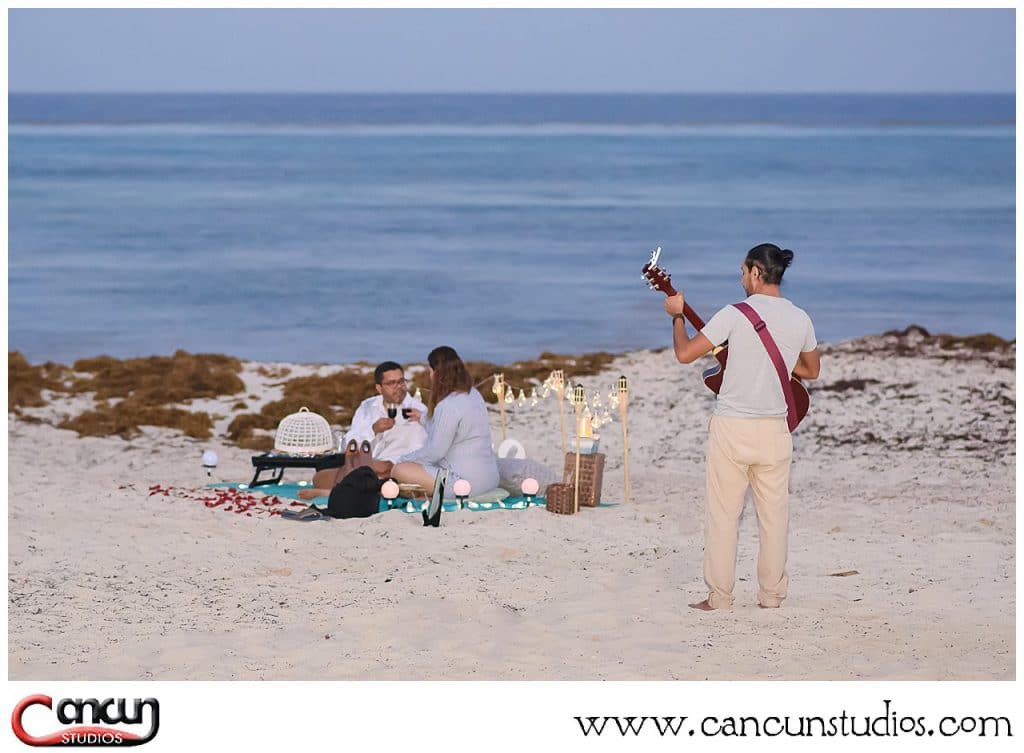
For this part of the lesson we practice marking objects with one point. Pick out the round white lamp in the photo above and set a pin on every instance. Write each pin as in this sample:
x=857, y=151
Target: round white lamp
x=209, y=461
x=530, y=488
x=462, y=489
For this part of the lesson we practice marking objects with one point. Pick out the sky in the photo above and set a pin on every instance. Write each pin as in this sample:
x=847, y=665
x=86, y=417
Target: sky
x=347, y=50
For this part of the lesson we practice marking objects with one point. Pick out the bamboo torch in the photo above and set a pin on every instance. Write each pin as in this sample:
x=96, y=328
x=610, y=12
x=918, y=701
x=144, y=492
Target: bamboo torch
x=578, y=399
x=558, y=385
x=623, y=403
x=499, y=392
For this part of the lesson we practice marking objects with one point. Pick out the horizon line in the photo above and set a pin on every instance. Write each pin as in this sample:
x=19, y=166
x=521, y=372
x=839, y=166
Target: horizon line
x=526, y=93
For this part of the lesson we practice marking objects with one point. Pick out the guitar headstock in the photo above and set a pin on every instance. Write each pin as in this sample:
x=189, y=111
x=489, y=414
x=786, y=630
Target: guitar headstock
x=655, y=277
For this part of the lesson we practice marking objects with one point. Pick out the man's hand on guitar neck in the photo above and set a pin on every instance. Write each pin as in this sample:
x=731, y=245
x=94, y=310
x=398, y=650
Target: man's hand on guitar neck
x=688, y=349
x=674, y=304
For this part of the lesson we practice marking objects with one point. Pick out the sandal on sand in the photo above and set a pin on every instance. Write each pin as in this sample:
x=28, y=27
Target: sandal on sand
x=432, y=515
x=306, y=515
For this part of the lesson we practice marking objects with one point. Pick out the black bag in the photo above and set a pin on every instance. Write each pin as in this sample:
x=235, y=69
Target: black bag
x=356, y=496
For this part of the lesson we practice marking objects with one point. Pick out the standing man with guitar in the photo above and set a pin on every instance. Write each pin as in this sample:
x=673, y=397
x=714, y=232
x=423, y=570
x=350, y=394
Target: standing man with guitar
x=749, y=440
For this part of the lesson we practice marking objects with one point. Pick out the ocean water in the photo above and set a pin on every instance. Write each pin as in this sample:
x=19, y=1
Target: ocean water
x=336, y=228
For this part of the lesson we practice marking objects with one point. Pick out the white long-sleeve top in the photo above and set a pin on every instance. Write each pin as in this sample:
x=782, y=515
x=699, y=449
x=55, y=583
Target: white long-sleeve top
x=459, y=438
x=406, y=436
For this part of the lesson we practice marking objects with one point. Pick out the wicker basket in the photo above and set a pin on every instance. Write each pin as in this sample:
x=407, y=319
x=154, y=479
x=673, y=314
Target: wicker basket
x=304, y=433
x=560, y=498
x=591, y=476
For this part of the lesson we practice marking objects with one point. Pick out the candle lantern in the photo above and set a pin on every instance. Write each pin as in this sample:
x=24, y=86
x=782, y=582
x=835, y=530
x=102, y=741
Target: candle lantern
x=579, y=398
x=623, y=410
x=558, y=385
x=499, y=392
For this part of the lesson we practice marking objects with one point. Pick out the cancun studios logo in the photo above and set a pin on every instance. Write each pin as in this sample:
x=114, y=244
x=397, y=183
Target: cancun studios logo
x=72, y=711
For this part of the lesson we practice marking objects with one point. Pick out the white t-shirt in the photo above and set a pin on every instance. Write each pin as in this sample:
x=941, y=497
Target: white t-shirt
x=751, y=386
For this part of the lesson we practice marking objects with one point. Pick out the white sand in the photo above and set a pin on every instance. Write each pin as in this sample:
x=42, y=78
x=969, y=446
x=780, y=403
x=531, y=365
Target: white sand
x=909, y=481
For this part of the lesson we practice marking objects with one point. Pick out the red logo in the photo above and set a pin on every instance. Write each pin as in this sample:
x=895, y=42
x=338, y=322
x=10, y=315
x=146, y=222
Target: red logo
x=72, y=711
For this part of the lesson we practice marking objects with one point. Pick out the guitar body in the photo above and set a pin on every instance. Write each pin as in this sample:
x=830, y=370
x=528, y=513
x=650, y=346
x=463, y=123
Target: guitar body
x=658, y=279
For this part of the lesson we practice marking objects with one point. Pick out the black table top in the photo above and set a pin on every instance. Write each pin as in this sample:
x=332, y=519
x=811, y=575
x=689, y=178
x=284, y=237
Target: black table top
x=284, y=460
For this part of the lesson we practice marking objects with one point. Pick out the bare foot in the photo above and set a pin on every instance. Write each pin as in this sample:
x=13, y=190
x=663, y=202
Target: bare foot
x=313, y=493
x=703, y=606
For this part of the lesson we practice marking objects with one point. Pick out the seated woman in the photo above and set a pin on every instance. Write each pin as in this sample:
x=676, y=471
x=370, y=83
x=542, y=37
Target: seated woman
x=458, y=434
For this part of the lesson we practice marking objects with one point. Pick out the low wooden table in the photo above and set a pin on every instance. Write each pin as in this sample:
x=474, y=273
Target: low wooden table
x=276, y=461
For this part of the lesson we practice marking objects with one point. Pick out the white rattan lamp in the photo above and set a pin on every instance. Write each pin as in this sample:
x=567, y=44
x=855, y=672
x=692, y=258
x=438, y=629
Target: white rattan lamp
x=304, y=433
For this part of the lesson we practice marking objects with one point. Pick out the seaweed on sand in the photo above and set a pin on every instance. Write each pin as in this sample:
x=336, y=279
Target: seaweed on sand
x=25, y=383
x=125, y=417
x=160, y=380
x=335, y=397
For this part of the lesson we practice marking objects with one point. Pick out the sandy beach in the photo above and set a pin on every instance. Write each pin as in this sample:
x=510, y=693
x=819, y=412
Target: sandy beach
x=904, y=473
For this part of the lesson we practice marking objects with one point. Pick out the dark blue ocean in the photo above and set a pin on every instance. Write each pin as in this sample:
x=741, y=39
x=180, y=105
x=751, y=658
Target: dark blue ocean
x=344, y=227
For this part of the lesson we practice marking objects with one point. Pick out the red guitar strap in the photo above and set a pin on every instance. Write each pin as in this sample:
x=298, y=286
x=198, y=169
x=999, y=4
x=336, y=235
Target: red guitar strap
x=773, y=352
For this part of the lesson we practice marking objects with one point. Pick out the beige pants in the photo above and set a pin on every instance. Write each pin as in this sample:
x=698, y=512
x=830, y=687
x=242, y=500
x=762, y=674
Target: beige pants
x=742, y=452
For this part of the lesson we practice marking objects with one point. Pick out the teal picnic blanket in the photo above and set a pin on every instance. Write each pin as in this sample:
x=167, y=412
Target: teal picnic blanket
x=482, y=504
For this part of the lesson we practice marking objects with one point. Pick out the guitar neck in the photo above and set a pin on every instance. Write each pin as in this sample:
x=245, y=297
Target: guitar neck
x=691, y=316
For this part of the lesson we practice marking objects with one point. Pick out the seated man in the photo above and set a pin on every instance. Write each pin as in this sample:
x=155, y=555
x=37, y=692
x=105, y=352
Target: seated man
x=389, y=438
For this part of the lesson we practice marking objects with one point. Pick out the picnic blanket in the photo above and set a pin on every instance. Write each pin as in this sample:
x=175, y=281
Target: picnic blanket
x=274, y=499
x=491, y=501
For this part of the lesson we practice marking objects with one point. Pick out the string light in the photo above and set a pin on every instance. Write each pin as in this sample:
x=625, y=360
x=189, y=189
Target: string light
x=598, y=406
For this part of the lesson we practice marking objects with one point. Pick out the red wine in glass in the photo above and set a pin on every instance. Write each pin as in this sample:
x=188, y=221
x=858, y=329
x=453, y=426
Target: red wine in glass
x=392, y=410
x=406, y=412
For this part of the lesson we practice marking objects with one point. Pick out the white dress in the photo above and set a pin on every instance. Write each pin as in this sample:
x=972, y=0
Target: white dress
x=459, y=439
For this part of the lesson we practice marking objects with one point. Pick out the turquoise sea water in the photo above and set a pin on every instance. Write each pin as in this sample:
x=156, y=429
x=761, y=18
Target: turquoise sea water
x=335, y=229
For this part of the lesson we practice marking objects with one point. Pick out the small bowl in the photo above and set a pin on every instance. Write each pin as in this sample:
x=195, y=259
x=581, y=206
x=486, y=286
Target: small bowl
x=588, y=445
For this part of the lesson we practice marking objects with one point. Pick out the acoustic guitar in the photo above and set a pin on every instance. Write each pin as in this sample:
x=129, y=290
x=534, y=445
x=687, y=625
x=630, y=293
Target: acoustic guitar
x=658, y=279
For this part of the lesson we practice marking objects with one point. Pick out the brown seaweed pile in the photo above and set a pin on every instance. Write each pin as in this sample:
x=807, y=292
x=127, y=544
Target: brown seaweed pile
x=25, y=383
x=917, y=342
x=159, y=380
x=125, y=418
x=130, y=393
x=135, y=392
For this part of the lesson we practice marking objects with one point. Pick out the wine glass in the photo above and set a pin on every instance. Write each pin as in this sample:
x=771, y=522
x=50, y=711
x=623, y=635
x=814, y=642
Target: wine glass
x=392, y=410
